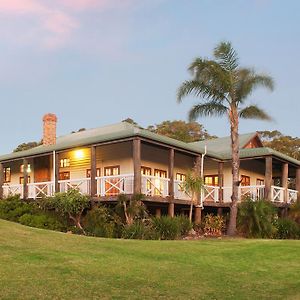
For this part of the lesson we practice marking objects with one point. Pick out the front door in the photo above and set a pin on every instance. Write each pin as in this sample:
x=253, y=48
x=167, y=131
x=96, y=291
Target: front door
x=112, y=185
x=42, y=169
x=146, y=171
x=159, y=183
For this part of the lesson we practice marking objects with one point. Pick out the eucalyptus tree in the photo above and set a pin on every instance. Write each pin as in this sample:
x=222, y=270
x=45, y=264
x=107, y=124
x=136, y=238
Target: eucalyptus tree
x=223, y=88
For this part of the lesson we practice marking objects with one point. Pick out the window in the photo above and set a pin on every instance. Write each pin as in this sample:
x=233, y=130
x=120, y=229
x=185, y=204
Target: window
x=65, y=162
x=22, y=180
x=28, y=168
x=160, y=173
x=260, y=181
x=111, y=171
x=88, y=173
x=146, y=171
x=245, y=180
x=180, y=177
x=211, y=180
x=64, y=175
x=7, y=175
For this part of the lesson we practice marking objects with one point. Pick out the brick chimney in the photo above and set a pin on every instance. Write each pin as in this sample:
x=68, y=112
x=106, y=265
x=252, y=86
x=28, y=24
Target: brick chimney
x=49, y=130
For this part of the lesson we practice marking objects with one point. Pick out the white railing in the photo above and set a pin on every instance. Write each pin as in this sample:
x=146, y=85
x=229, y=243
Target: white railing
x=227, y=192
x=83, y=185
x=12, y=190
x=115, y=185
x=292, y=196
x=257, y=192
x=155, y=186
x=151, y=186
x=254, y=192
x=40, y=189
x=277, y=194
x=179, y=191
x=211, y=193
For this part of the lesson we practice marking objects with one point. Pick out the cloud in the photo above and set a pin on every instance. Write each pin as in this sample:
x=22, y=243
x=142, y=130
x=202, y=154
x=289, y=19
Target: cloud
x=50, y=23
x=52, y=27
x=20, y=6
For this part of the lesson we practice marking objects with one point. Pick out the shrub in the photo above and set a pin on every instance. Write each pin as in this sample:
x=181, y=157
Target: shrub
x=256, y=218
x=213, y=225
x=294, y=212
x=169, y=228
x=99, y=222
x=287, y=229
x=139, y=230
x=71, y=203
x=42, y=221
x=185, y=225
x=13, y=208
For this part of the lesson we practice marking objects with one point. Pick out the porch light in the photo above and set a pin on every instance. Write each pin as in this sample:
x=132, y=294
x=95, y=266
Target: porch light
x=79, y=154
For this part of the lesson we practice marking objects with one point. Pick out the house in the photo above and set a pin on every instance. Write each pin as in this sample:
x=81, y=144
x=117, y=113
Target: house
x=123, y=158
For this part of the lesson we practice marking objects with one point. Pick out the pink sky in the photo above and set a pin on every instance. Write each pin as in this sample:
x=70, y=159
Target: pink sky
x=57, y=20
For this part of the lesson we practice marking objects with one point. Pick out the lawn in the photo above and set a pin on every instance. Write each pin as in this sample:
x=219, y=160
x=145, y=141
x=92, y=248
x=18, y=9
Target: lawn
x=41, y=264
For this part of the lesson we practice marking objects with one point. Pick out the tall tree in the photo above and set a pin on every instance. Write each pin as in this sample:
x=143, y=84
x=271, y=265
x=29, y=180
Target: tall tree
x=181, y=130
x=223, y=87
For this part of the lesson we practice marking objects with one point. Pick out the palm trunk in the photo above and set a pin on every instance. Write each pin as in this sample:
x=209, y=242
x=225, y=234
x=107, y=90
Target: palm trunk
x=234, y=126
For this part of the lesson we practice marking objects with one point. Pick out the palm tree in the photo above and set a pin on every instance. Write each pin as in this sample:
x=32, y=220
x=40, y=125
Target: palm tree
x=193, y=186
x=223, y=87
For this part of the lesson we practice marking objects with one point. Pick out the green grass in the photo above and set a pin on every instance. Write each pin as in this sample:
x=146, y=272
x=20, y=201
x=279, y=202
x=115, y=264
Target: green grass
x=40, y=264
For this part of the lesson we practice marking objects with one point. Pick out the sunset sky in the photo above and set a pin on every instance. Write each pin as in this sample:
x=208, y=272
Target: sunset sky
x=96, y=62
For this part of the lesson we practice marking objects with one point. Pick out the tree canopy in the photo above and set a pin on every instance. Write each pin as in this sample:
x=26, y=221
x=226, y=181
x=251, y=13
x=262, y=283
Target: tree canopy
x=26, y=146
x=283, y=143
x=181, y=130
x=131, y=121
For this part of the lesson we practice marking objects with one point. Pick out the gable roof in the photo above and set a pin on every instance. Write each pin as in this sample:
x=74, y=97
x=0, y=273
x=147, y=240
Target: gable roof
x=223, y=145
x=219, y=148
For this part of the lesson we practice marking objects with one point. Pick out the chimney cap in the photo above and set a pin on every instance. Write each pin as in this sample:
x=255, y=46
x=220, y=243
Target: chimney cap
x=50, y=117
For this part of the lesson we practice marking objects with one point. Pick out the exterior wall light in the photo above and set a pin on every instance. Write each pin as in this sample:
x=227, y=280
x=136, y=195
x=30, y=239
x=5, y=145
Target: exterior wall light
x=79, y=154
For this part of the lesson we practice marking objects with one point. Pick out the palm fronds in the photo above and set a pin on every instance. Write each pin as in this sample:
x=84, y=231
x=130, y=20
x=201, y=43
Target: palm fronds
x=199, y=90
x=207, y=110
x=226, y=56
x=247, y=81
x=254, y=112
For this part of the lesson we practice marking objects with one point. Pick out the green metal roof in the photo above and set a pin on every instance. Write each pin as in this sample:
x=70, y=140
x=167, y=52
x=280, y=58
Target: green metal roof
x=217, y=148
x=223, y=144
x=264, y=151
x=77, y=139
x=97, y=135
